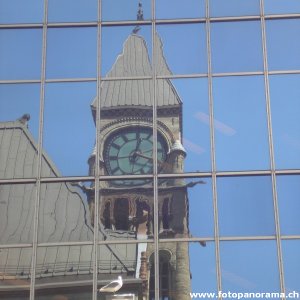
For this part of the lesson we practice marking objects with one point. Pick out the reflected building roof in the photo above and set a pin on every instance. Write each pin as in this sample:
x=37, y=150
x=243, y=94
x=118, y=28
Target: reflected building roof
x=134, y=61
x=63, y=217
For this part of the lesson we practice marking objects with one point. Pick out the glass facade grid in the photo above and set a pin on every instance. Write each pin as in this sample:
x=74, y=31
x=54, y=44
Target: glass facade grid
x=67, y=62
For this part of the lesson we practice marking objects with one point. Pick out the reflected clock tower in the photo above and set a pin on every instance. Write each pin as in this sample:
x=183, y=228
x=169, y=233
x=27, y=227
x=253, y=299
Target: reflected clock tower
x=126, y=135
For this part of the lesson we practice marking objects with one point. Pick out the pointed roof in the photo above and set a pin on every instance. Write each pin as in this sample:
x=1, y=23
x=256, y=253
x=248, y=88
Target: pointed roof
x=134, y=61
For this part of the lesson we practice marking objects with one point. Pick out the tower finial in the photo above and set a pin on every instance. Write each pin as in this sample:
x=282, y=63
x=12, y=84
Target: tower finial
x=139, y=17
x=140, y=13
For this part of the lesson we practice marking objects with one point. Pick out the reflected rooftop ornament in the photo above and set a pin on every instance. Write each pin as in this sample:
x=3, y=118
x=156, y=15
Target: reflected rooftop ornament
x=139, y=17
x=177, y=146
x=140, y=13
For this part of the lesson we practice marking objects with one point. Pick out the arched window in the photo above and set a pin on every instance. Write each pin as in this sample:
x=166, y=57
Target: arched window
x=165, y=214
x=164, y=276
x=121, y=214
x=106, y=216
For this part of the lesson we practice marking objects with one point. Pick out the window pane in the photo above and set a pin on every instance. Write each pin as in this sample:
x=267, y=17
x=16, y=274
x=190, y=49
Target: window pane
x=69, y=130
x=64, y=212
x=72, y=11
x=17, y=202
x=241, y=136
x=245, y=206
x=186, y=268
x=220, y=8
x=117, y=10
x=71, y=52
x=132, y=263
x=283, y=44
x=15, y=264
x=236, y=46
x=19, y=11
x=20, y=53
x=250, y=267
x=282, y=6
x=174, y=9
x=185, y=208
x=200, y=200
x=288, y=190
x=203, y=267
x=291, y=264
x=64, y=272
x=128, y=53
x=186, y=56
x=19, y=125
x=182, y=105
x=126, y=208
x=285, y=107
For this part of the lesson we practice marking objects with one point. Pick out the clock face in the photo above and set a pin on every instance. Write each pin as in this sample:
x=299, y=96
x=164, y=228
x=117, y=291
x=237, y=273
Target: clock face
x=129, y=151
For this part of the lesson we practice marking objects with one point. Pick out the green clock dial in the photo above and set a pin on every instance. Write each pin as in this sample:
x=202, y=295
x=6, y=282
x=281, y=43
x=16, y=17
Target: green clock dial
x=129, y=152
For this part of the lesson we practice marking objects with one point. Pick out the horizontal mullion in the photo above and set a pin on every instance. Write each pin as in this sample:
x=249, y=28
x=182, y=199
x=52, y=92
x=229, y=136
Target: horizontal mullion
x=149, y=22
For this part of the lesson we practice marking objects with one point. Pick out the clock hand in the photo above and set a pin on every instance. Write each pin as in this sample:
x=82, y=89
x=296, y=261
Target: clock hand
x=142, y=155
x=138, y=144
x=147, y=157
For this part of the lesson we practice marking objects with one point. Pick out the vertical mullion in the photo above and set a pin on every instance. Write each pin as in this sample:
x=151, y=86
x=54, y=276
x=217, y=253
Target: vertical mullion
x=212, y=150
x=39, y=153
x=155, y=179
x=271, y=149
x=97, y=163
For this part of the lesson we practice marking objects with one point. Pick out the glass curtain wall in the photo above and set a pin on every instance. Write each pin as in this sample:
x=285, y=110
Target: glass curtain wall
x=149, y=149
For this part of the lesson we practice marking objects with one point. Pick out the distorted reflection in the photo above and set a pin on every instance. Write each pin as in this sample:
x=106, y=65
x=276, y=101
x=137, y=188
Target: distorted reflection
x=128, y=146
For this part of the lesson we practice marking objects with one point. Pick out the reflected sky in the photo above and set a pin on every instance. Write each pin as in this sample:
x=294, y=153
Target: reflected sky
x=249, y=266
x=241, y=123
x=285, y=108
x=20, y=53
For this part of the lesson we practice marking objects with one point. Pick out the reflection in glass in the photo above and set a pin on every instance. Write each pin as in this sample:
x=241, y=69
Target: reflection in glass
x=125, y=209
x=185, y=208
x=236, y=46
x=193, y=112
x=245, y=206
x=201, y=223
x=282, y=6
x=117, y=10
x=19, y=124
x=291, y=265
x=72, y=11
x=15, y=264
x=71, y=52
x=17, y=100
x=203, y=267
x=240, y=123
x=288, y=191
x=135, y=57
x=186, y=56
x=174, y=9
x=285, y=108
x=128, y=266
x=249, y=267
x=20, y=53
x=69, y=132
x=64, y=272
x=129, y=151
x=219, y=8
x=283, y=49
x=184, y=268
x=174, y=272
x=64, y=214
x=17, y=203
x=32, y=11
